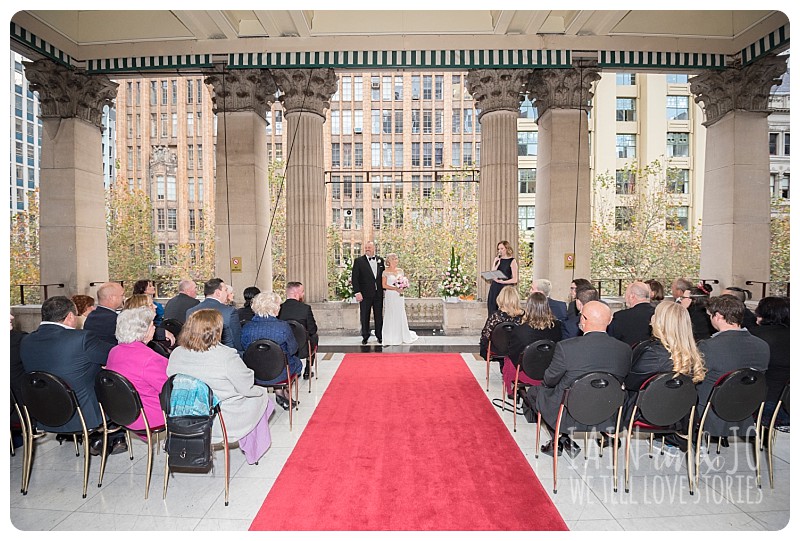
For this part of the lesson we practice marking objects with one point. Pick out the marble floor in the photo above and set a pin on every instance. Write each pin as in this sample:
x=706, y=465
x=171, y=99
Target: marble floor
x=726, y=499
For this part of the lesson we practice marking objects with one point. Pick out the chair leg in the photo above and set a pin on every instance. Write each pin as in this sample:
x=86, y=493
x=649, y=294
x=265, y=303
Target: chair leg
x=130, y=443
x=487, y=372
x=755, y=450
x=514, y=404
x=86, y=460
x=538, y=429
x=149, y=462
x=555, y=449
x=104, y=454
x=616, y=447
x=628, y=451
x=689, y=452
x=650, y=452
x=291, y=405
x=77, y=449
x=586, y=446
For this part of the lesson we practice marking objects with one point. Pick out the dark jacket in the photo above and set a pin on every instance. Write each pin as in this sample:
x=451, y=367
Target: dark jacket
x=569, y=327
x=271, y=328
x=649, y=357
x=632, y=325
x=17, y=370
x=364, y=281
x=103, y=322
x=701, y=324
x=523, y=334
x=493, y=321
x=302, y=313
x=777, y=337
x=74, y=355
x=176, y=307
x=559, y=308
x=231, y=329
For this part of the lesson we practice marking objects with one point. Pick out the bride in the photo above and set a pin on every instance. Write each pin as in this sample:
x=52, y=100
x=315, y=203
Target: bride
x=395, y=323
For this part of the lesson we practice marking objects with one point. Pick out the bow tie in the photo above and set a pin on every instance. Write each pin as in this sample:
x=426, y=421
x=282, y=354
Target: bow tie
x=371, y=258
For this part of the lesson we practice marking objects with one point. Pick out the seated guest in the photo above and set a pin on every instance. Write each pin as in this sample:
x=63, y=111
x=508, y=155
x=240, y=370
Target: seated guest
x=570, y=326
x=144, y=368
x=543, y=285
x=749, y=321
x=695, y=300
x=265, y=324
x=216, y=299
x=508, y=309
x=231, y=294
x=656, y=291
x=176, y=307
x=572, y=309
x=593, y=351
x=17, y=370
x=772, y=316
x=103, y=320
x=85, y=305
x=730, y=348
x=245, y=407
x=633, y=324
x=148, y=287
x=141, y=300
x=295, y=308
x=538, y=323
x=680, y=286
x=246, y=311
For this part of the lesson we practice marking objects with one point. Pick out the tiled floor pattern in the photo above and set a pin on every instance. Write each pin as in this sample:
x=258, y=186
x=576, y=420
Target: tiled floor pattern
x=726, y=499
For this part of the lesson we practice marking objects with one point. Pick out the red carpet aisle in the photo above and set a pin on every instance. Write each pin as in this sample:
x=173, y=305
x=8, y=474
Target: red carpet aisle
x=406, y=442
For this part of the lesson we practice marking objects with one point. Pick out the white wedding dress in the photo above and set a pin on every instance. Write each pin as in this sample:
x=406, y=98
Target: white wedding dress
x=395, y=322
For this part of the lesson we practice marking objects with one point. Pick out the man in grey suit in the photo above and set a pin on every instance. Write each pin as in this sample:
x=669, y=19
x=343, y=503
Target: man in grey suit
x=176, y=307
x=729, y=349
x=594, y=351
x=216, y=298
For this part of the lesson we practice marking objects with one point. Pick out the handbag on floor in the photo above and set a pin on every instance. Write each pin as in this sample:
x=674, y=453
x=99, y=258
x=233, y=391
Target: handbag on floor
x=188, y=443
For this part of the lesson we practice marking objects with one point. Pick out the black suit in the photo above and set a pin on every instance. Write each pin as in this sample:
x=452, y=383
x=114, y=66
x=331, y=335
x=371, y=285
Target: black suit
x=371, y=288
x=777, y=337
x=301, y=312
x=632, y=325
x=17, y=370
x=594, y=351
x=103, y=322
x=559, y=309
x=176, y=307
x=76, y=356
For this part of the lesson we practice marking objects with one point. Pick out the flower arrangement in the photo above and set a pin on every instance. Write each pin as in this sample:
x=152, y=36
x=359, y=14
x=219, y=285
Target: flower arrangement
x=454, y=283
x=344, y=283
x=402, y=283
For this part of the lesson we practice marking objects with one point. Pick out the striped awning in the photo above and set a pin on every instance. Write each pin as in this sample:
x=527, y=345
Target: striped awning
x=768, y=43
x=33, y=41
x=651, y=59
x=132, y=64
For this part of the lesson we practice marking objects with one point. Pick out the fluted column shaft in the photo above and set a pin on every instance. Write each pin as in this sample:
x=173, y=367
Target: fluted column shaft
x=735, y=244
x=72, y=227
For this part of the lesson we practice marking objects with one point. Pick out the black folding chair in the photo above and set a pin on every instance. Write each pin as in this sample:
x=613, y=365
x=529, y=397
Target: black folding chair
x=121, y=403
x=535, y=359
x=267, y=361
x=50, y=401
x=591, y=400
x=498, y=345
x=301, y=337
x=662, y=402
x=735, y=397
x=159, y=347
x=23, y=426
x=172, y=325
x=783, y=402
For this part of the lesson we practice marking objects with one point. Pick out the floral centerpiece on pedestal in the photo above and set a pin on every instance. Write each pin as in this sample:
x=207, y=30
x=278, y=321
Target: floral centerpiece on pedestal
x=454, y=283
x=344, y=283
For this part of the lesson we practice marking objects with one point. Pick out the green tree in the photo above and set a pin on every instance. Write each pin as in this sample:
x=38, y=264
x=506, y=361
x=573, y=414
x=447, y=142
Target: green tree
x=187, y=260
x=131, y=241
x=24, y=251
x=525, y=261
x=779, y=247
x=642, y=238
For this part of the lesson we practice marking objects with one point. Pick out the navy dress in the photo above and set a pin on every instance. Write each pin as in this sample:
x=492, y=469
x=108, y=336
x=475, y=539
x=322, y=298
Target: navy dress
x=494, y=290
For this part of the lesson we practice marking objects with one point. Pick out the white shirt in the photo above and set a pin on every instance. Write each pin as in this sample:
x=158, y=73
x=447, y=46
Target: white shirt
x=373, y=264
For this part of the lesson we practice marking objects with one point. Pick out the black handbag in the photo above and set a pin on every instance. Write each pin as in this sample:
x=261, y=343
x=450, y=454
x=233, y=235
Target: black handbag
x=189, y=441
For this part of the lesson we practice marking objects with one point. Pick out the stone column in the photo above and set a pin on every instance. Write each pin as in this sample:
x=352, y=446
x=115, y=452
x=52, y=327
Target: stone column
x=243, y=209
x=305, y=96
x=498, y=93
x=563, y=178
x=736, y=201
x=72, y=227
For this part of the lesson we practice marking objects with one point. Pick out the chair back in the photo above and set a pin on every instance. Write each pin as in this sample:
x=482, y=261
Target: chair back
x=300, y=334
x=501, y=338
x=266, y=359
x=121, y=402
x=594, y=397
x=785, y=398
x=738, y=395
x=48, y=398
x=666, y=398
x=159, y=348
x=172, y=325
x=537, y=357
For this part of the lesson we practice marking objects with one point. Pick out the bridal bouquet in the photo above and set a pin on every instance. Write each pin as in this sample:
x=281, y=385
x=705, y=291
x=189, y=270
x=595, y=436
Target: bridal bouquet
x=402, y=283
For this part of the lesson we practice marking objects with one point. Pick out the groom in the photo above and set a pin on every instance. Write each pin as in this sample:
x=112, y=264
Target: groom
x=368, y=287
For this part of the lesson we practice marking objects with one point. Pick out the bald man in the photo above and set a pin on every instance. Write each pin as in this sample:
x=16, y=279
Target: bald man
x=593, y=351
x=633, y=325
x=103, y=319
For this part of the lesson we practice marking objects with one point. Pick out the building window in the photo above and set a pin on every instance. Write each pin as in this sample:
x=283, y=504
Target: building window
x=348, y=187
x=398, y=121
x=527, y=180
x=625, y=182
x=415, y=154
x=358, y=152
x=358, y=89
x=337, y=218
x=348, y=219
x=467, y=153
x=678, y=181
x=162, y=254
x=386, y=114
x=439, y=87
x=199, y=91
x=455, y=155
x=626, y=79
x=172, y=219
x=677, y=78
x=174, y=124
x=164, y=125
x=398, y=155
x=335, y=155
x=153, y=125
x=376, y=121
x=386, y=89
x=467, y=120
x=347, y=155
x=129, y=119
x=457, y=120
x=623, y=218
x=427, y=121
x=398, y=88
x=347, y=122
x=785, y=144
x=527, y=217
x=457, y=87
x=677, y=107
x=153, y=93
x=626, y=145
x=626, y=109
x=278, y=121
x=335, y=123
x=527, y=142
x=347, y=89
x=375, y=85
x=387, y=154
x=164, y=92
x=189, y=91
x=174, y=92
x=678, y=218
x=191, y=188
x=189, y=124
x=414, y=120
x=773, y=144
x=190, y=157
x=161, y=220
x=336, y=192
x=427, y=154
x=376, y=155
x=376, y=218
x=677, y=144
x=527, y=110
x=358, y=121
x=439, y=120
x=439, y=154
x=415, y=87
x=171, y=189
x=200, y=193
x=427, y=87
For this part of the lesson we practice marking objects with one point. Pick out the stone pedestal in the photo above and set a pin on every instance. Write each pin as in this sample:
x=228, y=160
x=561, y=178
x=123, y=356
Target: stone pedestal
x=242, y=209
x=736, y=202
x=72, y=234
x=563, y=178
x=498, y=93
x=305, y=98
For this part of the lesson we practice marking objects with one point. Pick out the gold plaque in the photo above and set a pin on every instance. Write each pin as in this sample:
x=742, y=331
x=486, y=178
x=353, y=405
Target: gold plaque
x=236, y=264
x=569, y=261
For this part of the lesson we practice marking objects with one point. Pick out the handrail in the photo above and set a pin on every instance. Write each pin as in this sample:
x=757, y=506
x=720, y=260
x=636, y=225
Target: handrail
x=45, y=286
x=765, y=284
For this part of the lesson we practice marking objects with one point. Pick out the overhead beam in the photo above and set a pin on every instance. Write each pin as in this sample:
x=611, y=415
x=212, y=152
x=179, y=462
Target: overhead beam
x=503, y=21
x=268, y=22
x=301, y=24
x=575, y=26
x=228, y=29
x=191, y=20
x=536, y=21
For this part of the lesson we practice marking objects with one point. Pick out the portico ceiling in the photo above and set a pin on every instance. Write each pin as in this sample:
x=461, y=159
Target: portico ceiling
x=95, y=34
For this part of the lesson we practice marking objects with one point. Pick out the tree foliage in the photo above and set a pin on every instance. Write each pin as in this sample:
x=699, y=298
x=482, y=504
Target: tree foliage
x=641, y=239
x=779, y=247
x=24, y=251
x=130, y=237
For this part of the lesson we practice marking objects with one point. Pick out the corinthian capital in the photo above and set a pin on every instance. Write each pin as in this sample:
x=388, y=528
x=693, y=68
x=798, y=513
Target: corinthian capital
x=745, y=89
x=242, y=90
x=497, y=89
x=68, y=93
x=562, y=88
x=307, y=90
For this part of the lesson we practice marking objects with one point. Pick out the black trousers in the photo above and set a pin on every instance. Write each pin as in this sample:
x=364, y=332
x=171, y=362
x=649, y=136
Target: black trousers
x=374, y=305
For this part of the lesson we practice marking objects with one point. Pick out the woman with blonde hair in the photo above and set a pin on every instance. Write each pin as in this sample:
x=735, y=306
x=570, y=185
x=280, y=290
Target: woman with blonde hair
x=139, y=300
x=509, y=309
x=505, y=263
x=245, y=406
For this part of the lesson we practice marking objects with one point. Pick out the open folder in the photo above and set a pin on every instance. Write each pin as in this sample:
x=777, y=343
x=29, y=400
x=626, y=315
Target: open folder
x=492, y=274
